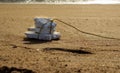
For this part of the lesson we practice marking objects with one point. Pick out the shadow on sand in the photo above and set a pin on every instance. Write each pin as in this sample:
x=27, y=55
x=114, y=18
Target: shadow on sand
x=34, y=41
x=6, y=69
x=68, y=50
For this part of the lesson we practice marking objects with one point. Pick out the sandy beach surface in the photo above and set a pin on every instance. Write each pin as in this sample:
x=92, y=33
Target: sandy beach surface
x=75, y=52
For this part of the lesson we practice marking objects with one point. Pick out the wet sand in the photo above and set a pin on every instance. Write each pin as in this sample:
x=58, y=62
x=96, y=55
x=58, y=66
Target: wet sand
x=75, y=52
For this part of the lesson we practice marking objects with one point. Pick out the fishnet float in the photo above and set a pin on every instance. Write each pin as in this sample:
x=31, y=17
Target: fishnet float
x=45, y=30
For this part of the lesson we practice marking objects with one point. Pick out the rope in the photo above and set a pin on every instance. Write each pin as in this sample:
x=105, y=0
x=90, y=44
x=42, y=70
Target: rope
x=85, y=31
x=51, y=27
x=43, y=27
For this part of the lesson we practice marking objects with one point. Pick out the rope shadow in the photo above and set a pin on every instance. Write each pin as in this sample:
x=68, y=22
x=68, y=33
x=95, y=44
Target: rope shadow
x=68, y=50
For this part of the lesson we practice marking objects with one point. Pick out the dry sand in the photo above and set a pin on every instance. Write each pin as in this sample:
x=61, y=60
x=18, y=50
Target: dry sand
x=75, y=52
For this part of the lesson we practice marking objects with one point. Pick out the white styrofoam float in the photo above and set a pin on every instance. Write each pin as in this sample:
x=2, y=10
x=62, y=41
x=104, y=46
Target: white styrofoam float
x=44, y=29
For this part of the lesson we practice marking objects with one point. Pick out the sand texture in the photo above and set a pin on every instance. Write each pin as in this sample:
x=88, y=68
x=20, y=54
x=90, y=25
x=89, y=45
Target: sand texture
x=96, y=50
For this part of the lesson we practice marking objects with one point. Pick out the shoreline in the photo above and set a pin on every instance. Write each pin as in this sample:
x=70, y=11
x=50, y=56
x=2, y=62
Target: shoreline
x=65, y=3
x=51, y=4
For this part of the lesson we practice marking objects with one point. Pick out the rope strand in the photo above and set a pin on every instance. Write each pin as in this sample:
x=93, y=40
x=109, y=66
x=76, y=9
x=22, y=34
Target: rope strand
x=86, y=32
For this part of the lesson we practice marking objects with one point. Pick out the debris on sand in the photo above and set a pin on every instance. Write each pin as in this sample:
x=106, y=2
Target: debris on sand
x=6, y=69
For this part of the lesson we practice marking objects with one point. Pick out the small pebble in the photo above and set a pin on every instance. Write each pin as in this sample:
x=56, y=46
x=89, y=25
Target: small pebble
x=14, y=46
x=66, y=65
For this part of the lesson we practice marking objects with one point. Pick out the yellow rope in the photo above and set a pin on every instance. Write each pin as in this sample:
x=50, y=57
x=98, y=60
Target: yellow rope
x=85, y=31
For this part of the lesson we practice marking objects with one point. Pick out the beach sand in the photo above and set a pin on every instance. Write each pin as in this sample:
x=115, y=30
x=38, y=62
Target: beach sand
x=75, y=52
